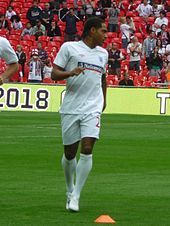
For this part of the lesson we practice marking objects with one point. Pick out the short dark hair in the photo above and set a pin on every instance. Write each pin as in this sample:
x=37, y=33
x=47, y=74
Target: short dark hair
x=163, y=12
x=91, y=22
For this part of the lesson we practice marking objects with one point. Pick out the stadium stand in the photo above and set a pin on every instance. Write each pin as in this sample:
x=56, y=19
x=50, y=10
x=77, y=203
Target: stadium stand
x=52, y=44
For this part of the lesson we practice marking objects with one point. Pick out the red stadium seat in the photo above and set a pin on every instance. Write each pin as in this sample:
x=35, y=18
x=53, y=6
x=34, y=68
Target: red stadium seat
x=14, y=37
x=130, y=13
x=44, y=38
x=26, y=42
x=16, y=5
x=138, y=35
x=136, y=18
x=29, y=37
x=61, y=82
x=27, y=4
x=48, y=80
x=14, y=42
x=147, y=83
x=4, y=32
x=151, y=20
x=16, y=32
x=153, y=79
x=58, y=38
x=3, y=5
x=112, y=34
x=137, y=82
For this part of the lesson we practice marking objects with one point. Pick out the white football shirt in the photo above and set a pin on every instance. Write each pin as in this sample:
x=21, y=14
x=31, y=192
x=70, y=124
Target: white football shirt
x=144, y=10
x=6, y=51
x=83, y=92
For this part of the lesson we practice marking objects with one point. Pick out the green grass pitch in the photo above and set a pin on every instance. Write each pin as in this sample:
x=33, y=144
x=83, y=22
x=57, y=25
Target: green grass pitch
x=130, y=180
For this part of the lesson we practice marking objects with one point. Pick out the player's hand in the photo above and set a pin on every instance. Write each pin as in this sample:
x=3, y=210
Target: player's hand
x=76, y=71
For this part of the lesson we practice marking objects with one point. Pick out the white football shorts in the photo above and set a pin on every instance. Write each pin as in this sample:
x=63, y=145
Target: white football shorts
x=76, y=127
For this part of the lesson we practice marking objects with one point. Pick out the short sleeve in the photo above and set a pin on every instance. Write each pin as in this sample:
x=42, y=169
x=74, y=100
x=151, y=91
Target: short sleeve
x=8, y=54
x=62, y=57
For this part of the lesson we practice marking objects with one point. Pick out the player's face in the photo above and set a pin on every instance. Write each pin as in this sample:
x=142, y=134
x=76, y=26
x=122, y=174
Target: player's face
x=100, y=35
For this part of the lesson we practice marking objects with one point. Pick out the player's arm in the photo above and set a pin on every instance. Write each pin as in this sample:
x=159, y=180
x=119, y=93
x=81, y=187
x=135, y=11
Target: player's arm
x=10, y=57
x=11, y=69
x=104, y=88
x=58, y=73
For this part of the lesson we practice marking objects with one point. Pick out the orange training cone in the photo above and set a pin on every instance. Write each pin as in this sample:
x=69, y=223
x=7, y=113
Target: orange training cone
x=105, y=219
x=168, y=79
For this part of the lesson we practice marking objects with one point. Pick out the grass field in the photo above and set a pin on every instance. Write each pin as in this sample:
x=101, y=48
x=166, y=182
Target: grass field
x=130, y=180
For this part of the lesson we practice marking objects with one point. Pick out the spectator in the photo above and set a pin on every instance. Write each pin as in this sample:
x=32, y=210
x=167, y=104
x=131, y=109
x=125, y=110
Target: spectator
x=156, y=62
x=42, y=54
x=167, y=52
x=144, y=9
x=149, y=44
x=21, y=59
x=163, y=72
x=113, y=13
x=106, y=3
x=3, y=22
x=164, y=35
x=55, y=30
x=35, y=73
x=10, y=12
x=81, y=13
x=161, y=49
x=47, y=16
x=121, y=6
x=159, y=21
x=134, y=49
x=126, y=81
x=47, y=69
x=99, y=11
x=156, y=9
x=166, y=5
x=125, y=31
x=132, y=6
x=115, y=58
x=16, y=23
x=55, y=5
x=34, y=13
x=62, y=11
x=70, y=30
x=89, y=9
x=38, y=29
x=27, y=30
x=129, y=21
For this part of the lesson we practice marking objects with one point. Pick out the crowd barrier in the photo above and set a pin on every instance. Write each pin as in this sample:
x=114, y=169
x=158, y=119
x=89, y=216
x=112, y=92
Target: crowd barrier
x=43, y=97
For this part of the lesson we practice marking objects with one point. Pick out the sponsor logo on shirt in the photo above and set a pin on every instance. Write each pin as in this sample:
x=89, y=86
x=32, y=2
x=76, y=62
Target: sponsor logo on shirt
x=91, y=67
x=100, y=59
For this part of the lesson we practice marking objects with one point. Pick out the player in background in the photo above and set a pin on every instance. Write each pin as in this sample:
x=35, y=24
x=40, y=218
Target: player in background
x=8, y=54
x=83, y=65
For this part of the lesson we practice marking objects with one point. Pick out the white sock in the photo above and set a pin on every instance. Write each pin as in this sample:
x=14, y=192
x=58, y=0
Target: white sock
x=83, y=169
x=69, y=167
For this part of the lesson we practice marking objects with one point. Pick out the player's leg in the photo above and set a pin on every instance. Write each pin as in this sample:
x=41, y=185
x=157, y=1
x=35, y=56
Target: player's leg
x=90, y=131
x=69, y=164
x=71, y=137
x=84, y=165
